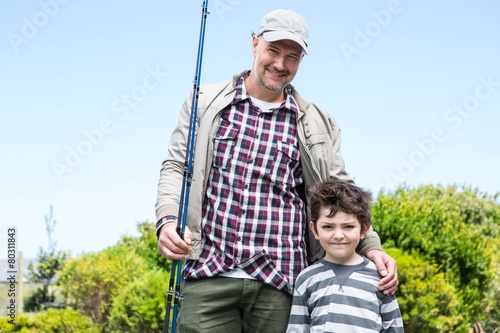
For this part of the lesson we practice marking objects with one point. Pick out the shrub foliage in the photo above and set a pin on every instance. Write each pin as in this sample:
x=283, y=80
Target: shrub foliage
x=445, y=241
x=91, y=281
x=454, y=229
x=140, y=305
x=51, y=320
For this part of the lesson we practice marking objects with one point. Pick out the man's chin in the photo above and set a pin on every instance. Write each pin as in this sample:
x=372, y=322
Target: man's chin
x=273, y=86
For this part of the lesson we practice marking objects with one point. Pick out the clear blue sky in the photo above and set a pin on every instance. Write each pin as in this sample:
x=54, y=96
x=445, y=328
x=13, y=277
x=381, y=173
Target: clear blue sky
x=90, y=92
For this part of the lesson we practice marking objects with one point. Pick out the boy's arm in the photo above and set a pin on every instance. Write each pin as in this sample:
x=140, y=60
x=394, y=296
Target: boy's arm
x=299, y=321
x=392, y=321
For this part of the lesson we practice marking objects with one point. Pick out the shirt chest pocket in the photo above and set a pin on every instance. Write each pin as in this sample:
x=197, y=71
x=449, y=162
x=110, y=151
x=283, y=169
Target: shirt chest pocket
x=224, y=144
x=285, y=166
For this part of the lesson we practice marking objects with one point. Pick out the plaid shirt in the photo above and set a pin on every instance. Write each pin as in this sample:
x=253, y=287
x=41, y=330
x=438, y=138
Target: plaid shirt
x=253, y=217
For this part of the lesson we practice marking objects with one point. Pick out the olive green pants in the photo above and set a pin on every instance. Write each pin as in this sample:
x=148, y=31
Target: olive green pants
x=230, y=305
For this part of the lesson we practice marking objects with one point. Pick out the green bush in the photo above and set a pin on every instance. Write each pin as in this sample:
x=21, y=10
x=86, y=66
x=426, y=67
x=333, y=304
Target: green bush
x=140, y=305
x=427, y=301
x=51, y=321
x=146, y=246
x=22, y=323
x=91, y=281
x=454, y=229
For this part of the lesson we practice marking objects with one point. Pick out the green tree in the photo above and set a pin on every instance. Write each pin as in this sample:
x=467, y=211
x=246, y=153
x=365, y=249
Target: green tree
x=146, y=246
x=454, y=228
x=90, y=282
x=49, y=263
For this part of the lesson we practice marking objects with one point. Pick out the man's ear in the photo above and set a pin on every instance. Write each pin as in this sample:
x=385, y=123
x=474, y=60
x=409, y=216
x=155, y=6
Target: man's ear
x=312, y=226
x=255, y=43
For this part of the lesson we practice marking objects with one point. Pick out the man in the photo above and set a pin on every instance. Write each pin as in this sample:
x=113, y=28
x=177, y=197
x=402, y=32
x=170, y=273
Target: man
x=259, y=147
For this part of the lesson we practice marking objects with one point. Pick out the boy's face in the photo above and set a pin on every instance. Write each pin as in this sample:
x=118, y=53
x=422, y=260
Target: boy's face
x=339, y=235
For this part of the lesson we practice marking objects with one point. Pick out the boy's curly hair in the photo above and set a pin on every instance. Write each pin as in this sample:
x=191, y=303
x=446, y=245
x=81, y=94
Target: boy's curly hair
x=339, y=195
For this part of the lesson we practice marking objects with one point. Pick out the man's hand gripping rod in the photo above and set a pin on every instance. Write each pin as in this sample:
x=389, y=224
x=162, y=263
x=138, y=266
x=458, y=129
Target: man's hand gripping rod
x=174, y=295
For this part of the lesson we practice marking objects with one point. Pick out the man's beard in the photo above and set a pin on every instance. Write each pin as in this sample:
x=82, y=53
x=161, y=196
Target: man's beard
x=272, y=86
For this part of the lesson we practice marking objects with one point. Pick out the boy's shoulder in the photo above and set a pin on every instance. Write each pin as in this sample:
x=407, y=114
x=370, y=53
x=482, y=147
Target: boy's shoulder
x=312, y=269
x=370, y=264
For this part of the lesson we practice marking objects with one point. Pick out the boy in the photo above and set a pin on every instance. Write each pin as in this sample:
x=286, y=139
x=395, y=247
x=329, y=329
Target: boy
x=339, y=292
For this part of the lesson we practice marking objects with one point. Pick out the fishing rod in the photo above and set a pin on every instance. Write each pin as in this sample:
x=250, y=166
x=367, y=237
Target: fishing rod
x=174, y=296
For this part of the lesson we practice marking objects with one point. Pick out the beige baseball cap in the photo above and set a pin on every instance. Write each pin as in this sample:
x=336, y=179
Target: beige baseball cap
x=284, y=24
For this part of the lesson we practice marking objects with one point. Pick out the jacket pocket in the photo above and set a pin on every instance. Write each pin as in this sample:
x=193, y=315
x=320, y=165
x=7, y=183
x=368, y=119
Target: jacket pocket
x=317, y=143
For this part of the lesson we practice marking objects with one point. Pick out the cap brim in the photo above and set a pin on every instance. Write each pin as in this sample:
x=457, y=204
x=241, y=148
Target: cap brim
x=273, y=36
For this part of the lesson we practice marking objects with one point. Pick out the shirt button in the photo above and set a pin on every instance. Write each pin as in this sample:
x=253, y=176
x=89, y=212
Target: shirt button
x=239, y=238
x=245, y=187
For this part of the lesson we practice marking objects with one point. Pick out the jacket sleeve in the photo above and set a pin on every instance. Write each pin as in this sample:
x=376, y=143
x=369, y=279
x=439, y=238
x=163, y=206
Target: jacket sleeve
x=172, y=168
x=337, y=164
x=337, y=170
x=370, y=242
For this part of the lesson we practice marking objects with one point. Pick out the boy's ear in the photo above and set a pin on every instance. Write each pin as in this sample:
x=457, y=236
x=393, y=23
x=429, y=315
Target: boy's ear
x=364, y=231
x=313, y=229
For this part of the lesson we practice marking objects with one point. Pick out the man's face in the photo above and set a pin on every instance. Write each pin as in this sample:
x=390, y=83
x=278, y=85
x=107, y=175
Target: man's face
x=275, y=63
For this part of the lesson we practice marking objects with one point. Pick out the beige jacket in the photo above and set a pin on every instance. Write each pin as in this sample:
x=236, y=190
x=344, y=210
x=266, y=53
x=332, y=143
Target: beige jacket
x=319, y=139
